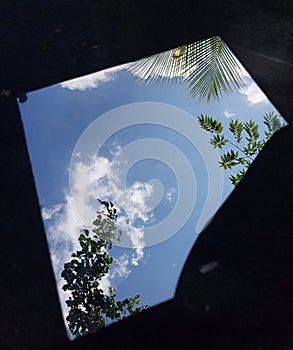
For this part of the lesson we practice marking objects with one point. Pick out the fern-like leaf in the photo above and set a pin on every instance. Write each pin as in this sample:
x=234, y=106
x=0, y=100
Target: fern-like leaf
x=218, y=141
x=273, y=124
x=235, y=179
x=236, y=128
x=209, y=124
x=251, y=129
x=229, y=160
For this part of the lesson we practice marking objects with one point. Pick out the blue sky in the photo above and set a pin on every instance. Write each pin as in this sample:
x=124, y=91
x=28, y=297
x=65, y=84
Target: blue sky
x=169, y=151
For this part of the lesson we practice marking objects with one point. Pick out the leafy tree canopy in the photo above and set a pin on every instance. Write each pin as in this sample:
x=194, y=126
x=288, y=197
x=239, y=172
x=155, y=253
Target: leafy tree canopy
x=91, y=308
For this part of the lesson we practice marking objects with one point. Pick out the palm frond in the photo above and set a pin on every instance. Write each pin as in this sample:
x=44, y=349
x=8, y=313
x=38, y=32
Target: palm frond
x=216, y=72
x=207, y=66
x=161, y=68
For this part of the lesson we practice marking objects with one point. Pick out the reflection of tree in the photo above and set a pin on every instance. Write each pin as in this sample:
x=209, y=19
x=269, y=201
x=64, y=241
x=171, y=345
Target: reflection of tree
x=89, y=306
x=208, y=67
x=248, y=148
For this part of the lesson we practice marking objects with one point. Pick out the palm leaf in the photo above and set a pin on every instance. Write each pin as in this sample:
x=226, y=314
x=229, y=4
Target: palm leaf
x=161, y=68
x=207, y=66
x=216, y=72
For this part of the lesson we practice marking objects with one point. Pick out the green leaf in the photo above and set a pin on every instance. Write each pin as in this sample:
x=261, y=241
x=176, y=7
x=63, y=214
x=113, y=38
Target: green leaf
x=210, y=124
x=236, y=128
x=273, y=124
x=218, y=141
x=251, y=129
x=229, y=160
x=237, y=178
x=111, y=290
x=260, y=145
x=216, y=72
x=81, y=237
x=251, y=149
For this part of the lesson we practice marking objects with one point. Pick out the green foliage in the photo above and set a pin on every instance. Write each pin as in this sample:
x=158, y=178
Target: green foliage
x=218, y=141
x=251, y=149
x=273, y=124
x=238, y=176
x=207, y=67
x=248, y=148
x=229, y=160
x=215, y=72
x=89, y=307
x=251, y=129
x=110, y=211
x=210, y=124
x=236, y=128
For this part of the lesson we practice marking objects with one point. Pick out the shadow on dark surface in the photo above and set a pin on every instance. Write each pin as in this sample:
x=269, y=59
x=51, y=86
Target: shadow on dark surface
x=246, y=301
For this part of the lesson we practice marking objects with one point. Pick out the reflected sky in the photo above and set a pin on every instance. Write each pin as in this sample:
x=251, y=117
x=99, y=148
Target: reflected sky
x=109, y=136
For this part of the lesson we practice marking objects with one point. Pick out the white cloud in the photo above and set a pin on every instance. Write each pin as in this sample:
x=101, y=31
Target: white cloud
x=115, y=147
x=243, y=72
x=91, y=81
x=82, y=193
x=136, y=236
x=170, y=195
x=135, y=200
x=63, y=234
x=228, y=114
x=254, y=94
x=105, y=283
x=121, y=267
x=99, y=176
x=131, y=203
x=251, y=90
x=47, y=213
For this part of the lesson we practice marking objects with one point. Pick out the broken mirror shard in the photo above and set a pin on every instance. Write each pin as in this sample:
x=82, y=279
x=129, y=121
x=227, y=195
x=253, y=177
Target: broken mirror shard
x=131, y=164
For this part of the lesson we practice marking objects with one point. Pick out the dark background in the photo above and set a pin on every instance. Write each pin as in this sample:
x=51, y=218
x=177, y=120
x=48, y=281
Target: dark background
x=250, y=293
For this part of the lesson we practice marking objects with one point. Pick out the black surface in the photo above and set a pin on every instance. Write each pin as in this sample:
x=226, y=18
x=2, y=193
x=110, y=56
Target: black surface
x=250, y=292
